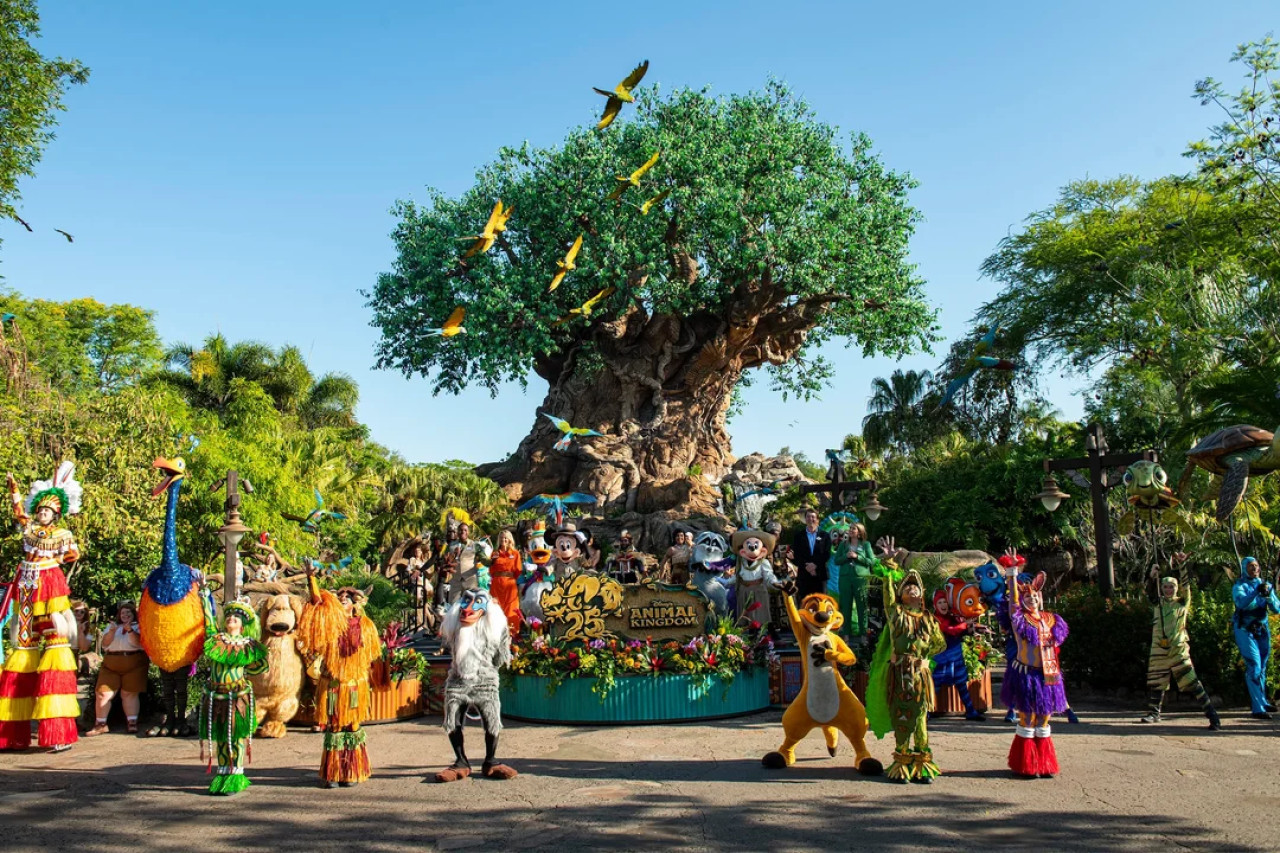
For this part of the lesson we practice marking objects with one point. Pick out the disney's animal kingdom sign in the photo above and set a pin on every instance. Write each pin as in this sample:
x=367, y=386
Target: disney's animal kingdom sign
x=592, y=607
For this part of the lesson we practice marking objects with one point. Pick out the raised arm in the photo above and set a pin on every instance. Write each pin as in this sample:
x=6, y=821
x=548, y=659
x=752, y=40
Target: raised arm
x=206, y=606
x=20, y=516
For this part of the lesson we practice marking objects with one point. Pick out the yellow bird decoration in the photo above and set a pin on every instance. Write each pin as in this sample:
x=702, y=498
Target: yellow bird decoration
x=452, y=326
x=657, y=199
x=587, y=307
x=483, y=241
x=567, y=265
x=626, y=182
x=621, y=94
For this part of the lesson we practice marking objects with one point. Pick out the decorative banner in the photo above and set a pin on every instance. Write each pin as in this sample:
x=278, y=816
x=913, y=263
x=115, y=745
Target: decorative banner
x=592, y=607
x=660, y=611
x=575, y=608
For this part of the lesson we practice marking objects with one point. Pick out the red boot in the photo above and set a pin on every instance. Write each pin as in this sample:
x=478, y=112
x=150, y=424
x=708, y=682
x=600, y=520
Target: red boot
x=1048, y=755
x=1024, y=755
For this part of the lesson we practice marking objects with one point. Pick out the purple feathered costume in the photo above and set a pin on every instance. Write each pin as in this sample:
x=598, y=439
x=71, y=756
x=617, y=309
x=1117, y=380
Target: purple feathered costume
x=1025, y=688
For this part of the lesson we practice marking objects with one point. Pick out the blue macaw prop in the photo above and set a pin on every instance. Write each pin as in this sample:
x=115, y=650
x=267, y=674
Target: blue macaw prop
x=330, y=568
x=555, y=504
x=569, y=431
x=312, y=520
x=976, y=361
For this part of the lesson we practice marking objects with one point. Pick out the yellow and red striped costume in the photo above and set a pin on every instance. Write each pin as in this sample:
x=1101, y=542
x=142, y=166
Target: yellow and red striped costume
x=39, y=679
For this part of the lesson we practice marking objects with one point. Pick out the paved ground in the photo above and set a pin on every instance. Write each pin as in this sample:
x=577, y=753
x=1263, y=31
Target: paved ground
x=701, y=786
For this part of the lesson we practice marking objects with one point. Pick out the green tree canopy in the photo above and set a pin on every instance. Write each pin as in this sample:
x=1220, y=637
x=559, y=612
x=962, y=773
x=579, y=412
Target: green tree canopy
x=31, y=90
x=770, y=237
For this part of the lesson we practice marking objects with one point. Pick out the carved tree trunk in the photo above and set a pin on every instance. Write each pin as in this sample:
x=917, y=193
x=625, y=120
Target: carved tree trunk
x=658, y=388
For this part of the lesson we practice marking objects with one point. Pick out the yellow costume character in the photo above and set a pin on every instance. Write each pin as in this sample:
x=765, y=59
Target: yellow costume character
x=825, y=701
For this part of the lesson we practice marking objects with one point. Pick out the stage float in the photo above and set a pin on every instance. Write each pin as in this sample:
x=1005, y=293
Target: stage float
x=640, y=653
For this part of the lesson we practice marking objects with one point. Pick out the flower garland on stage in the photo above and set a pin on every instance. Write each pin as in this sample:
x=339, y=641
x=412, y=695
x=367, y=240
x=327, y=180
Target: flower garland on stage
x=723, y=654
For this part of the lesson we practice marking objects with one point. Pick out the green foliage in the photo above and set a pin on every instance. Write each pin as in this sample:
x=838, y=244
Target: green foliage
x=766, y=208
x=1110, y=641
x=83, y=345
x=954, y=493
x=899, y=415
x=30, y=96
x=386, y=602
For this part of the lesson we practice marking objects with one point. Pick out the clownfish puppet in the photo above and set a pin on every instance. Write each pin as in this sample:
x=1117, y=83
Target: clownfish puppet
x=824, y=701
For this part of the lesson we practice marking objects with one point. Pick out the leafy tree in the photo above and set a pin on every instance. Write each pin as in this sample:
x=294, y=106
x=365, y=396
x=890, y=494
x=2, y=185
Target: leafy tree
x=83, y=345
x=416, y=496
x=773, y=239
x=30, y=97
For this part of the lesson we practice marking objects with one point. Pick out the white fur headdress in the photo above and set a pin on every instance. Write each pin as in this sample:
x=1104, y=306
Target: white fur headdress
x=64, y=480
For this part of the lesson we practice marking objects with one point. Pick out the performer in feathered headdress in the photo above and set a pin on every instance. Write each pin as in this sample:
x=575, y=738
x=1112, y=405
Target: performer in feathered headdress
x=227, y=713
x=340, y=643
x=39, y=679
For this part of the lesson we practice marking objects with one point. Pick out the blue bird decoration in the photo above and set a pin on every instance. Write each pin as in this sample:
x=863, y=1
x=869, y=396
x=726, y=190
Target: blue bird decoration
x=977, y=360
x=311, y=521
x=555, y=504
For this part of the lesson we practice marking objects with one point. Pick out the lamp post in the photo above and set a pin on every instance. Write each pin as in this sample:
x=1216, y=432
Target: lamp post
x=1096, y=461
x=231, y=532
x=837, y=486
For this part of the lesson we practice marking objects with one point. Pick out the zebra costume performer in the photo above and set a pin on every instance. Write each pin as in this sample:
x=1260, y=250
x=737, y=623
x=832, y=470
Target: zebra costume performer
x=476, y=633
x=1171, y=652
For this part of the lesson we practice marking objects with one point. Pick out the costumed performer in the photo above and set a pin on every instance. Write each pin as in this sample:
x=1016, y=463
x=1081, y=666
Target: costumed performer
x=471, y=556
x=675, y=565
x=900, y=686
x=949, y=669
x=227, y=713
x=504, y=570
x=1171, y=648
x=475, y=631
x=340, y=643
x=625, y=565
x=1254, y=599
x=754, y=576
x=824, y=700
x=708, y=564
x=566, y=551
x=170, y=613
x=39, y=678
x=538, y=576
x=1033, y=680
x=785, y=570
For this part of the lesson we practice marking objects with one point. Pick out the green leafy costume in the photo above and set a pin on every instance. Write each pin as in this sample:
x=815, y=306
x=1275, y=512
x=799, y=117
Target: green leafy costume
x=900, y=686
x=227, y=715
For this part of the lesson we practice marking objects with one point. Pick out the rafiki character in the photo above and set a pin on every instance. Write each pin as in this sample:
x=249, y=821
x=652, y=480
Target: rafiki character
x=475, y=631
x=824, y=701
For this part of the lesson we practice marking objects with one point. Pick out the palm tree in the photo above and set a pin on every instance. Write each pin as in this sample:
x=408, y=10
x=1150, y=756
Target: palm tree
x=206, y=377
x=894, y=410
x=415, y=496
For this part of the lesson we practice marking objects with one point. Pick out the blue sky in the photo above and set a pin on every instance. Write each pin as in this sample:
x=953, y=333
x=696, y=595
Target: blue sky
x=231, y=166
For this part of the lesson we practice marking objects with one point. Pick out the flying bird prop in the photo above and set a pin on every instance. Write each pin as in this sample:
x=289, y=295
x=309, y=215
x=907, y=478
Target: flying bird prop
x=657, y=199
x=587, y=307
x=626, y=182
x=70, y=239
x=452, y=326
x=621, y=94
x=977, y=361
x=569, y=431
x=555, y=504
x=312, y=519
x=567, y=265
x=496, y=224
